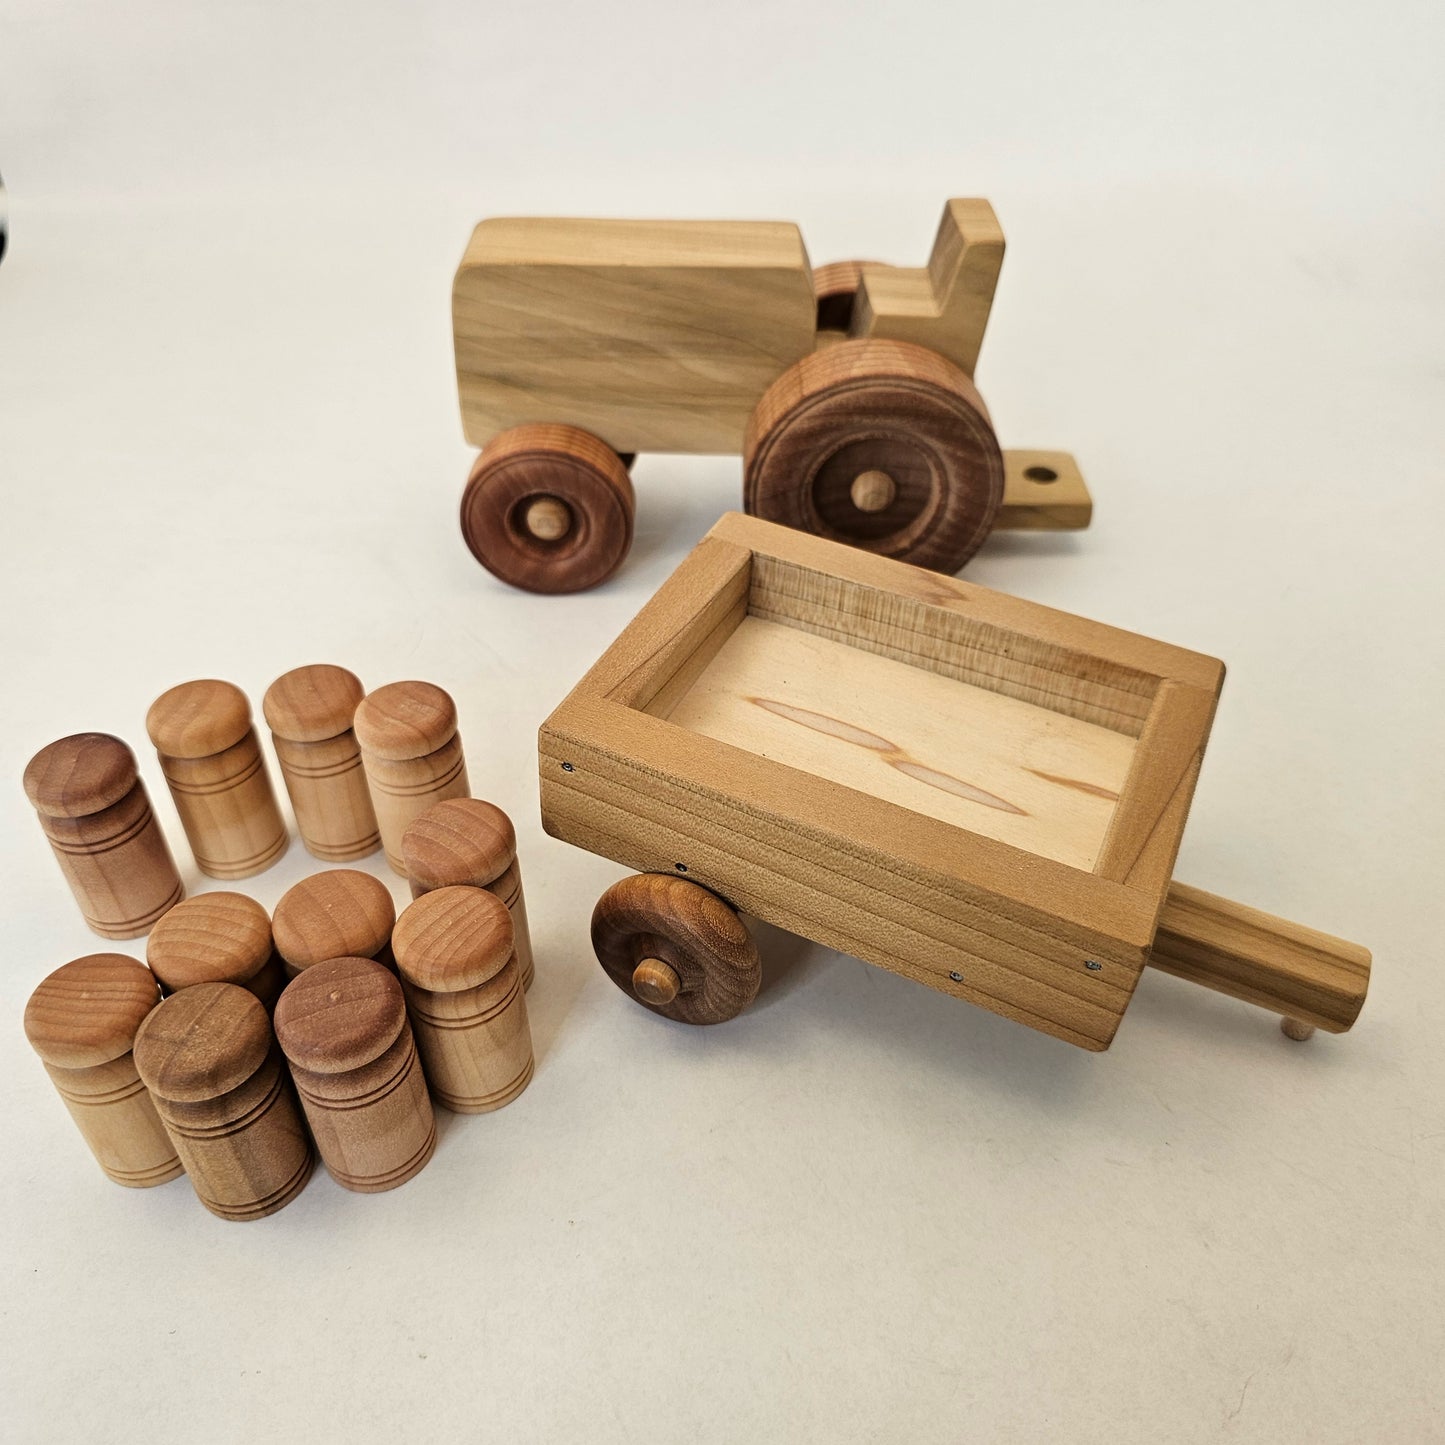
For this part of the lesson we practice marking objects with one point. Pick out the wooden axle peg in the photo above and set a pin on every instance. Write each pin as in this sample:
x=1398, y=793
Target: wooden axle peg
x=96, y=813
x=341, y=913
x=309, y=711
x=217, y=938
x=343, y=1028
x=873, y=491
x=209, y=1059
x=82, y=1021
x=653, y=922
x=212, y=761
x=412, y=755
x=471, y=843
x=549, y=508
x=549, y=519
x=655, y=982
x=458, y=967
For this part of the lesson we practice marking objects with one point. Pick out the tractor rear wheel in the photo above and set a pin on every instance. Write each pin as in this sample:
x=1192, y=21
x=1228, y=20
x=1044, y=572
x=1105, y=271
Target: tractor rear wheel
x=881, y=444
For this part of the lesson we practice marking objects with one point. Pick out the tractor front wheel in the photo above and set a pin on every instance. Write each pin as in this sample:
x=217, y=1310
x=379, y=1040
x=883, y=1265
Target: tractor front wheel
x=549, y=508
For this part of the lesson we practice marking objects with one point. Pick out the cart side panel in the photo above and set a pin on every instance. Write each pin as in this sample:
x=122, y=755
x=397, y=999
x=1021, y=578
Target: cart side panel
x=654, y=335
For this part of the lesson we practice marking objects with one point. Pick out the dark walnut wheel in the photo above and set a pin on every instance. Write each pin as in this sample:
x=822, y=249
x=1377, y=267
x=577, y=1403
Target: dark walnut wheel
x=549, y=508
x=676, y=948
x=881, y=444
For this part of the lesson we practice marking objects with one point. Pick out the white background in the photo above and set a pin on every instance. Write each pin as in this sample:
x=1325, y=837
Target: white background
x=229, y=445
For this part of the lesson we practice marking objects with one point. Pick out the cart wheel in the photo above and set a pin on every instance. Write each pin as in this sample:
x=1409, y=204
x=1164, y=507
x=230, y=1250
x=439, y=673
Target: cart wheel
x=676, y=948
x=548, y=508
x=882, y=444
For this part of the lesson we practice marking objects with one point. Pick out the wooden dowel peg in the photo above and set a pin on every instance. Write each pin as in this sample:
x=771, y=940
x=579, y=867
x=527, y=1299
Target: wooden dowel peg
x=471, y=843
x=412, y=756
x=309, y=711
x=82, y=1021
x=209, y=1059
x=97, y=815
x=343, y=1027
x=217, y=938
x=341, y=913
x=458, y=967
x=212, y=761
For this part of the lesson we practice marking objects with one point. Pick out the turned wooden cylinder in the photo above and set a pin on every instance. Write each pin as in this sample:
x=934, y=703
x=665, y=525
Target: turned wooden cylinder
x=341, y=913
x=209, y=1059
x=343, y=1028
x=97, y=814
x=217, y=938
x=212, y=761
x=309, y=711
x=412, y=754
x=470, y=843
x=458, y=967
x=82, y=1021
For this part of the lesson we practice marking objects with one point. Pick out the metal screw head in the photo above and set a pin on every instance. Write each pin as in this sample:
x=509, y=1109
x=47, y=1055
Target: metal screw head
x=1093, y=965
x=956, y=977
x=567, y=767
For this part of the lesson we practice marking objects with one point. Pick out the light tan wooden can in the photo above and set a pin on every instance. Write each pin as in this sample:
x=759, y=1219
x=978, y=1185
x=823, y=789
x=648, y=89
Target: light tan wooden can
x=343, y=1028
x=217, y=937
x=309, y=711
x=469, y=842
x=212, y=760
x=97, y=815
x=454, y=952
x=82, y=1021
x=209, y=1059
x=412, y=755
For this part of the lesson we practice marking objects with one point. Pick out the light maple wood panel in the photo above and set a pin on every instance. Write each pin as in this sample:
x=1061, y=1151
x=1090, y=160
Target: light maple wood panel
x=654, y=335
x=1028, y=776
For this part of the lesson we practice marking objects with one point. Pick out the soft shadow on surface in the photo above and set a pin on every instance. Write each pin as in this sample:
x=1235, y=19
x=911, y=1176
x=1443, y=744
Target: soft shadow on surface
x=1001, y=545
x=789, y=960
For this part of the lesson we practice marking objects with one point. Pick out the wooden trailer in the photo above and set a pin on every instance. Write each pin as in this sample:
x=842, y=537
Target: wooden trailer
x=848, y=391
x=974, y=791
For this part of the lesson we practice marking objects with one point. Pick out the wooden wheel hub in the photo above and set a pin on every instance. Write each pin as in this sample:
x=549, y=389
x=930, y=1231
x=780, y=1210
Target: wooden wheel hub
x=873, y=491
x=676, y=948
x=880, y=444
x=655, y=982
x=548, y=508
x=548, y=519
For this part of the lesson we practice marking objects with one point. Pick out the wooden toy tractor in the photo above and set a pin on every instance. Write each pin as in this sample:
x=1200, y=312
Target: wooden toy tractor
x=848, y=390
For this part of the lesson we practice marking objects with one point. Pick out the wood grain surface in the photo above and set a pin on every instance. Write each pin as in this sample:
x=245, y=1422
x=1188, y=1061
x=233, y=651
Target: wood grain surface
x=1037, y=940
x=82, y=1021
x=209, y=1060
x=657, y=336
x=218, y=937
x=97, y=816
x=213, y=766
x=458, y=966
x=343, y=1028
x=549, y=508
x=1011, y=770
x=886, y=409
x=309, y=711
x=655, y=919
